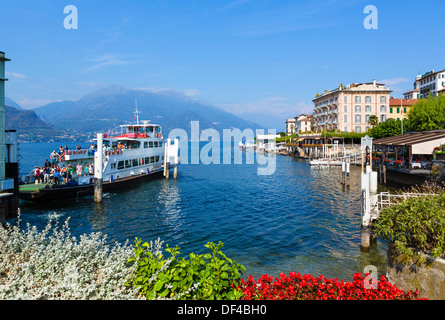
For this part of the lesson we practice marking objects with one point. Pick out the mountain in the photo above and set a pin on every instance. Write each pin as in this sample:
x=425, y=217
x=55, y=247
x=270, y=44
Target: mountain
x=28, y=125
x=114, y=105
x=12, y=103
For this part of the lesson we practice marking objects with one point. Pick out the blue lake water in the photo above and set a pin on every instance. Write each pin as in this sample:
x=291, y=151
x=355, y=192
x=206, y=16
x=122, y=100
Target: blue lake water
x=298, y=219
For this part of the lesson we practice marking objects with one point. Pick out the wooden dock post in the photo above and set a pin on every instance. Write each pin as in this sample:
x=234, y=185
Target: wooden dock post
x=98, y=170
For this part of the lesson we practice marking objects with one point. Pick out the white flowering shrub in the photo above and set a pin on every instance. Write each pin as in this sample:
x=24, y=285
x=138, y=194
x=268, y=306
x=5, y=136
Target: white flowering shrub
x=51, y=264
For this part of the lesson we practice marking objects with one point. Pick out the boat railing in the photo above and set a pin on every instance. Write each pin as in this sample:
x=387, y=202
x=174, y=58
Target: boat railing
x=76, y=152
x=113, y=152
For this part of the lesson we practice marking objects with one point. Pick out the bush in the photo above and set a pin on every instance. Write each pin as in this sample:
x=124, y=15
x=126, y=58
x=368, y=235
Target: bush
x=306, y=287
x=415, y=225
x=203, y=277
x=51, y=264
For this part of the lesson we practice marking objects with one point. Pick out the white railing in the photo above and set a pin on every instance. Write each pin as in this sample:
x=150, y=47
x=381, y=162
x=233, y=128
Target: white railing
x=385, y=199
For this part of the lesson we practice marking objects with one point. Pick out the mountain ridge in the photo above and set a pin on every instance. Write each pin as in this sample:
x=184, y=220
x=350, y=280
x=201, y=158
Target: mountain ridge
x=107, y=108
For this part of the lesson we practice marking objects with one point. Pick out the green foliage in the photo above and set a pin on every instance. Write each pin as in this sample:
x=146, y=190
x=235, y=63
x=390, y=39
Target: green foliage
x=427, y=114
x=373, y=120
x=204, y=277
x=415, y=225
x=388, y=128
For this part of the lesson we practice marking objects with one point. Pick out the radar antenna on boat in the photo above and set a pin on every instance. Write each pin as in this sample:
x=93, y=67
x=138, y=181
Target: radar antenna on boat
x=136, y=112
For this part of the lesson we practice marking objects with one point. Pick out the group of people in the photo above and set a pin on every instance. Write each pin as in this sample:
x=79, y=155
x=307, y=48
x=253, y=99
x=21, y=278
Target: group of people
x=54, y=174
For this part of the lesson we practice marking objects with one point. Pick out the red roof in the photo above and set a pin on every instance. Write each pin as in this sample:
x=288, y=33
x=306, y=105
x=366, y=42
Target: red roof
x=405, y=102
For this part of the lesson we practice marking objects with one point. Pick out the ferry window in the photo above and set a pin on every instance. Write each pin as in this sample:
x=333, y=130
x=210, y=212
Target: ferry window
x=151, y=129
x=141, y=161
x=120, y=165
x=145, y=144
x=156, y=144
x=152, y=159
x=113, y=166
x=160, y=143
x=157, y=158
x=151, y=144
x=135, y=162
x=147, y=160
x=127, y=163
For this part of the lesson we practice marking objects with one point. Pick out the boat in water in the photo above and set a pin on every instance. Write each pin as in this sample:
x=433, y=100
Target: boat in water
x=137, y=154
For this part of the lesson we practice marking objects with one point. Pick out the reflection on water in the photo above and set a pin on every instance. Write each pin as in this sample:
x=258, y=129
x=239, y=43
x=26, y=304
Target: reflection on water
x=299, y=219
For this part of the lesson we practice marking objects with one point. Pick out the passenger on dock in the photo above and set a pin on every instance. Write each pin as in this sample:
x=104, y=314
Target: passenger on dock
x=79, y=170
x=70, y=172
x=34, y=172
x=51, y=174
x=46, y=173
x=57, y=176
x=53, y=157
x=78, y=147
x=64, y=172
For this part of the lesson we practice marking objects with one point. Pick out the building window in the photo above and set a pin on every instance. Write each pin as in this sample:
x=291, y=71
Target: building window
x=382, y=118
x=383, y=109
x=345, y=129
x=358, y=118
x=358, y=99
x=368, y=99
x=346, y=119
x=346, y=108
x=390, y=110
x=358, y=129
x=383, y=99
x=358, y=109
x=367, y=118
x=346, y=99
x=368, y=108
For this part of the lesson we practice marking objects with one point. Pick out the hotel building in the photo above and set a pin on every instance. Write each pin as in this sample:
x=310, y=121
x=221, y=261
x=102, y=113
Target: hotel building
x=348, y=109
x=430, y=83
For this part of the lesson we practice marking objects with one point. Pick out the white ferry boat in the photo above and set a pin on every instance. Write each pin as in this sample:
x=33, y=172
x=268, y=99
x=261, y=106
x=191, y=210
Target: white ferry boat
x=136, y=154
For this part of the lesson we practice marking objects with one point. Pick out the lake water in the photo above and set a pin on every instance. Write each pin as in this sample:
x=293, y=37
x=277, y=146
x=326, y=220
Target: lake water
x=298, y=219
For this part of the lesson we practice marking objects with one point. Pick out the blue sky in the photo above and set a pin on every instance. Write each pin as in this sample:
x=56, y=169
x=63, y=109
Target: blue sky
x=261, y=59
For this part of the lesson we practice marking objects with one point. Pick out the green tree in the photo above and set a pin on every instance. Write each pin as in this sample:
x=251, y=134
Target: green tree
x=388, y=128
x=427, y=114
x=373, y=120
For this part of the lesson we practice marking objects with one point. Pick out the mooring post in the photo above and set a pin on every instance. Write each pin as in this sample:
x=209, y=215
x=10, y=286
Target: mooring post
x=98, y=170
x=167, y=159
x=343, y=171
x=176, y=159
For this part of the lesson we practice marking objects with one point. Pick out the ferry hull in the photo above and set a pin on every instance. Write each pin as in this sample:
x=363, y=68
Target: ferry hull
x=69, y=192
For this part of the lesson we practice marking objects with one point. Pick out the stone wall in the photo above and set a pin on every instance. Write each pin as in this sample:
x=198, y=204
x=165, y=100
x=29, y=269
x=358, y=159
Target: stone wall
x=428, y=279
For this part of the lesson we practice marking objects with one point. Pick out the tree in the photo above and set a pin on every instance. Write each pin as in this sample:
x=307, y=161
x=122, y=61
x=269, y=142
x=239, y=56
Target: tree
x=388, y=128
x=373, y=120
x=427, y=114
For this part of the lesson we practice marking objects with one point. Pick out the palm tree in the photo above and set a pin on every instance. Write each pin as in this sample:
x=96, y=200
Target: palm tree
x=373, y=120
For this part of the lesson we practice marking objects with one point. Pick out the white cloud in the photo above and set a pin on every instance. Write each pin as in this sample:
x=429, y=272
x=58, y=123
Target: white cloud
x=393, y=81
x=273, y=106
x=15, y=75
x=109, y=60
x=191, y=92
